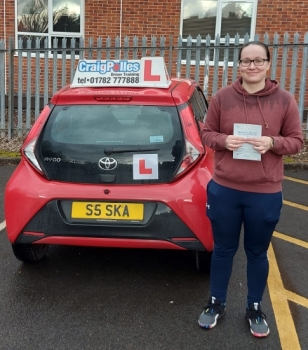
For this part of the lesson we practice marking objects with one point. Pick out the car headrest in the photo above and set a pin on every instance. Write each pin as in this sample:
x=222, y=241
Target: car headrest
x=149, y=114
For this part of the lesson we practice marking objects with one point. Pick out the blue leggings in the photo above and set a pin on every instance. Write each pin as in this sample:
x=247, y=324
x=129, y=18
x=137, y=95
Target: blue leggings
x=259, y=213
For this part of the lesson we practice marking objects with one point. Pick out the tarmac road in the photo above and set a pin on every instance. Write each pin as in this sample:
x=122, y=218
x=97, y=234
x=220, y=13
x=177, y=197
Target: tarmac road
x=92, y=298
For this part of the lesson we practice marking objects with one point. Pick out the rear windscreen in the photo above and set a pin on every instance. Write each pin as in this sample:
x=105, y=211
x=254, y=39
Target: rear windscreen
x=114, y=125
x=103, y=143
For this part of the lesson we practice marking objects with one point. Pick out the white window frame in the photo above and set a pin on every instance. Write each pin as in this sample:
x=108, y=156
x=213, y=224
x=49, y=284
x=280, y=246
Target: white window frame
x=50, y=32
x=218, y=27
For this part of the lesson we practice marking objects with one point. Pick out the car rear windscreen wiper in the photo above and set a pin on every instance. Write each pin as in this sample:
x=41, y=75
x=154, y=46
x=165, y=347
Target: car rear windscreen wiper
x=109, y=151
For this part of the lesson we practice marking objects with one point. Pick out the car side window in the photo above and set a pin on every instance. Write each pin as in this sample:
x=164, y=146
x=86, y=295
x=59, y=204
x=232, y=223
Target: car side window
x=199, y=105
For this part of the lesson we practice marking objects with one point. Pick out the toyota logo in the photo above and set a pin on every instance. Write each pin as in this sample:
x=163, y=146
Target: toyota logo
x=107, y=163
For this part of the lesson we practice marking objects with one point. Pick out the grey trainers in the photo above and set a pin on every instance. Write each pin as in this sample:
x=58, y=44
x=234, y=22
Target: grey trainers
x=256, y=318
x=211, y=313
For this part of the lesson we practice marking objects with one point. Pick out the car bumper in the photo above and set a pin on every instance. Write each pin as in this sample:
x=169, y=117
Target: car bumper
x=33, y=213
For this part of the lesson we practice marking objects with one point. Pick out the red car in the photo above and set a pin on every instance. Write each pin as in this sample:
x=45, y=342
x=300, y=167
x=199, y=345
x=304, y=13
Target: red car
x=114, y=160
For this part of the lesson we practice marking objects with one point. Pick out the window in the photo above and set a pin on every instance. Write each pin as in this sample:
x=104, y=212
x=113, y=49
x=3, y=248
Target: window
x=199, y=106
x=49, y=19
x=218, y=17
x=115, y=125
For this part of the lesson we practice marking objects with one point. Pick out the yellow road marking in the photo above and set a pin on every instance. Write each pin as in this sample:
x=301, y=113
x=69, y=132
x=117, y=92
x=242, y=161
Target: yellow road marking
x=296, y=180
x=295, y=205
x=291, y=239
x=296, y=298
x=279, y=295
x=279, y=298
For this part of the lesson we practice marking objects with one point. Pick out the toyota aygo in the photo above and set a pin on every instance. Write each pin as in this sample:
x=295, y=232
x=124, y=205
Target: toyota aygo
x=114, y=160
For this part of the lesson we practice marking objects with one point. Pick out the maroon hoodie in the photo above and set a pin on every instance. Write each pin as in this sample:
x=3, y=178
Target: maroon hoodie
x=273, y=108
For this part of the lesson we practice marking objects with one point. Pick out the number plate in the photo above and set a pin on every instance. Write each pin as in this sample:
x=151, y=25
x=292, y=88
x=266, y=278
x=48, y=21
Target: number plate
x=107, y=211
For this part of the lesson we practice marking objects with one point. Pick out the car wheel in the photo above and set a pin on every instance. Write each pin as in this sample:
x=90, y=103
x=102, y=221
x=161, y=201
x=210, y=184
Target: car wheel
x=203, y=260
x=29, y=252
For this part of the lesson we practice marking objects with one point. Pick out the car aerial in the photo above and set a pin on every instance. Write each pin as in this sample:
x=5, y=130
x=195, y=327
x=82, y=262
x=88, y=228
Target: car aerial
x=114, y=160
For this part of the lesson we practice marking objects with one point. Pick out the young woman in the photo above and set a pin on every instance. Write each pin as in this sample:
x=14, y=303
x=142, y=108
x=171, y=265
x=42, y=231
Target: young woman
x=250, y=125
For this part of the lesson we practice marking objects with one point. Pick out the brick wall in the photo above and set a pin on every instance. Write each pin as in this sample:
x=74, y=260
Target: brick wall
x=145, y=17
x=139, y=18
x=282, y=16
x=152, y=17
x=9, y=15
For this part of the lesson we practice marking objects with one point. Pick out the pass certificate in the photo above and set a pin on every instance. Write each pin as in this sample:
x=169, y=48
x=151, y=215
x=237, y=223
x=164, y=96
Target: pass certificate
x=246, y=151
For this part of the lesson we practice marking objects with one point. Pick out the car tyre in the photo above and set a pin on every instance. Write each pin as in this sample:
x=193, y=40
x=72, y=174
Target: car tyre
x=29, y=253
x=203, y=260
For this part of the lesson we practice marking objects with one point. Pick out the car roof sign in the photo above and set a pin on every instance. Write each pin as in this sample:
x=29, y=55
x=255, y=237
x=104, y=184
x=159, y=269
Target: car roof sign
x=146, y=72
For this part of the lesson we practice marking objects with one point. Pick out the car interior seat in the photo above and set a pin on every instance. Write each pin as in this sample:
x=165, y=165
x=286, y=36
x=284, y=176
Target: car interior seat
x=154, y=123
x=105, y=120
x=148, y=116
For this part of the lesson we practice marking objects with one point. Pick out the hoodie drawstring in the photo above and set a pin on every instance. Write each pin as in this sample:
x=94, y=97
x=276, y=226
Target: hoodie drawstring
x=245, y=108
x=265, y=123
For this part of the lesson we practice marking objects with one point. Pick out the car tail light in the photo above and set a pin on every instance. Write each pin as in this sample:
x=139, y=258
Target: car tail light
x=193, y=144
x=28, y=151
x=28, y=147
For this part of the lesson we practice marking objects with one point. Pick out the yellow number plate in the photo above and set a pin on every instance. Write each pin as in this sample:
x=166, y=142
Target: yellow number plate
x=105, y=211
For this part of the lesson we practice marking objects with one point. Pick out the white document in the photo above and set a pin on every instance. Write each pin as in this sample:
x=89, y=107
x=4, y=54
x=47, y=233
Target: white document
x=246, y=151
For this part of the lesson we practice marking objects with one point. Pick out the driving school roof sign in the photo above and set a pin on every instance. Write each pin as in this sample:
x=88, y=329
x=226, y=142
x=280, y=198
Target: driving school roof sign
x=147, y=72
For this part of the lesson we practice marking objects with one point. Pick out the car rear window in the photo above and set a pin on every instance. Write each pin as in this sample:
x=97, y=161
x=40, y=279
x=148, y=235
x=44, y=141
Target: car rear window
x=114, y=125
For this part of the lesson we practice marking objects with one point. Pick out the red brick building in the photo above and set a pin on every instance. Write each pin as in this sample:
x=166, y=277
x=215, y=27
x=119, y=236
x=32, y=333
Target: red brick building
x=144, y=17
x=128, y=18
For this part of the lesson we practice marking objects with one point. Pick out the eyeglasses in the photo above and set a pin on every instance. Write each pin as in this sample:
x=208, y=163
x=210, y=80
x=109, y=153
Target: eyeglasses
x=257, y=62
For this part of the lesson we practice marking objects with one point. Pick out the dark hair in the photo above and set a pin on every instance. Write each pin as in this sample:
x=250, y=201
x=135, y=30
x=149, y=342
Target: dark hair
x=265, y=47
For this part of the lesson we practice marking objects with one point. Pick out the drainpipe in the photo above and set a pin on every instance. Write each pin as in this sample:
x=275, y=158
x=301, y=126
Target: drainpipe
x=4, y=33
x=121, y=9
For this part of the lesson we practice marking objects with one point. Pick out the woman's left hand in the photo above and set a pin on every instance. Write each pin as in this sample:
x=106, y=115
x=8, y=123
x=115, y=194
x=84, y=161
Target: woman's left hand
x=261, y=144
